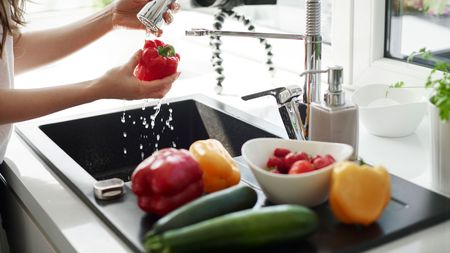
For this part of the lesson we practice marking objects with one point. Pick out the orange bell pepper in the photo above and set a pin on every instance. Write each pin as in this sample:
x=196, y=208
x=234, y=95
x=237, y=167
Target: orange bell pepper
x=219, y=168
x=359, y=194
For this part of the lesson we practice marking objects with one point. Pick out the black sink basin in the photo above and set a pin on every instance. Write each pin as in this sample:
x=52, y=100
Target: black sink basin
x=111, y=145
x=84, y=149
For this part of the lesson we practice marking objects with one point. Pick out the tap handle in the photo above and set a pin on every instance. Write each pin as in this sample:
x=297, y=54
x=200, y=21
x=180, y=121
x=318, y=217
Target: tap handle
x=283, y=95
x=272, y=92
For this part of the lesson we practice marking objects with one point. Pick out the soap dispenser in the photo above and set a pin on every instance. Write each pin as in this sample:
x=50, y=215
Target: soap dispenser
x=335, y=119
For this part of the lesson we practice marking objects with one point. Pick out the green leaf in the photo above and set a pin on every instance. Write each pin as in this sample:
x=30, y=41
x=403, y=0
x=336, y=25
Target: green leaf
x=426, y=54
x=440, y=86
x=361, y=161
x=399, y=84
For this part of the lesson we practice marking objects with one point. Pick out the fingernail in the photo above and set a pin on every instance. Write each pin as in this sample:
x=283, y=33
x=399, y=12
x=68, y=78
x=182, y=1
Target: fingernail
x=169, y=18
x=175, y=7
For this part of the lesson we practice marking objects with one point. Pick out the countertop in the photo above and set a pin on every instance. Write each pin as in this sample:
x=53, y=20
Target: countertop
x=50, y=202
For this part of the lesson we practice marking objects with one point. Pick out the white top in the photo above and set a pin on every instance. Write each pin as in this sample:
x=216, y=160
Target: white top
x=6, y=82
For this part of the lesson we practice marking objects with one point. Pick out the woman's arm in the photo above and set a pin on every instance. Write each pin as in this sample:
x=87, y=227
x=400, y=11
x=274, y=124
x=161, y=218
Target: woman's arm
x=18, y=105
x=34, y=49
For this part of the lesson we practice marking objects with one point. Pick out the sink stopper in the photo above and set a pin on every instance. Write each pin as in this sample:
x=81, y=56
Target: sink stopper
x=109, y=189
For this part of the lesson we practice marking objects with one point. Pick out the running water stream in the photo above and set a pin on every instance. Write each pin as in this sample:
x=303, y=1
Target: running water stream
x=146, y=122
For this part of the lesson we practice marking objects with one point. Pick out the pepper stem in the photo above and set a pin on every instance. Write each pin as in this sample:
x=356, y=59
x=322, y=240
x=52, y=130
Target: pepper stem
x=166, y=51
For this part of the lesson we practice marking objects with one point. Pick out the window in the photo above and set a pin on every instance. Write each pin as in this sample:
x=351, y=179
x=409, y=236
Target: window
x=415, y=24
x=358, y=41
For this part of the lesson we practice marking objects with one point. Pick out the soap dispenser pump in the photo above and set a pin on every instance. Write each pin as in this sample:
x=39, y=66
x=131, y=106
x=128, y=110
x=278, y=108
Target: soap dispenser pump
x=335, y=119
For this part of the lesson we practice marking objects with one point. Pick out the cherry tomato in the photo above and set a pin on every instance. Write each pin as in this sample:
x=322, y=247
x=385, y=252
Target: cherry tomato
x=292, y=157
x=301, y=166
x=330, y=157
x=322, y=162
x=281, y=152
x=275, y=162
x=314, y=158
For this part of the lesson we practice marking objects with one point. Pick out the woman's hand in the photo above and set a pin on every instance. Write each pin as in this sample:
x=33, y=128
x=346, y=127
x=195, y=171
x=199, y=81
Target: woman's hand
x=125, y=11
x=120, y=83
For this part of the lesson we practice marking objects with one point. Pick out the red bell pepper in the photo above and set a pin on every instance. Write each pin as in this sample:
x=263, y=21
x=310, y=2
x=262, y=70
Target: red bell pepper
x=158, y=60
x=166, y=180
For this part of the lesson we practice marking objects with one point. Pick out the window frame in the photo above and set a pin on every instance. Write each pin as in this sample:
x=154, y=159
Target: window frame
x=359, y=46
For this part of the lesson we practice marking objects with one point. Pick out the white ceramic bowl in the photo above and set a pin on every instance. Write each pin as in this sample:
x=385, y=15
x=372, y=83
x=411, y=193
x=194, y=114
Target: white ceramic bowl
x=308, y=189
x=389, y=112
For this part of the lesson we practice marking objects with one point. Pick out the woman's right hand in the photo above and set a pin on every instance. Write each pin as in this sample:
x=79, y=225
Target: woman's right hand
x=121, y=83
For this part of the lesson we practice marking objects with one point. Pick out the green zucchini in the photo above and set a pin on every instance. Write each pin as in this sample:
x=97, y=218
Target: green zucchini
x=241, y=230
x=229, y=200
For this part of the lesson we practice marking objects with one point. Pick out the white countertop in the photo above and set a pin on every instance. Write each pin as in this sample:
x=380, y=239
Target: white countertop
x=51, y=203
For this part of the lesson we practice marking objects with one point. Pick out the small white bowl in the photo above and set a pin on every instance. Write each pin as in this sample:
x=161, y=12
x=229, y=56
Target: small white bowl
x=389, y=112
x=308, y=189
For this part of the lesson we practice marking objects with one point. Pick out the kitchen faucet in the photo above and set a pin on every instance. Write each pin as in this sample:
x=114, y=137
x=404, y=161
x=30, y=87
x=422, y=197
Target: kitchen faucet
x=289, y=107
x=311, y=90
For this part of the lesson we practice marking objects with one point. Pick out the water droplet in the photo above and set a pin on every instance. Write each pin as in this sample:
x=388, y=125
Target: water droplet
x=134, y=122
x=157, y=109
x=141, y=146
x=124, y=151
x=129, y=116
x=169, y=119
x=142, y=155
x=157, y=137
x=124, y=134
x=122, y=119
x=174, y=144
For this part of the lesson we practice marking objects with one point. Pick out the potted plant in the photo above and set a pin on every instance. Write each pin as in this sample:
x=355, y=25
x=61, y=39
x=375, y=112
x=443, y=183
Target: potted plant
x=439, y=111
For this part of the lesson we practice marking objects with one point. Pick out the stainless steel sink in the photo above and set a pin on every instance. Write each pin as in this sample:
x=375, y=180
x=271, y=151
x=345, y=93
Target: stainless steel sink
x=87, y=148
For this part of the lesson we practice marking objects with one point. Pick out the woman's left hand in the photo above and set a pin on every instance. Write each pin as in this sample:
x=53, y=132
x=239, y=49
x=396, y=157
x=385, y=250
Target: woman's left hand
x=124, y=13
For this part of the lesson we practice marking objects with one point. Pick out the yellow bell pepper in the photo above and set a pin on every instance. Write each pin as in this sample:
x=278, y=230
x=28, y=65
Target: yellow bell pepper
x=219, y=168
x=359, y=193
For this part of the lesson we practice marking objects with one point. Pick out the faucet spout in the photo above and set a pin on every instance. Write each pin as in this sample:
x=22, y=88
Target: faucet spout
x=313, y=54
x=206, y=32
